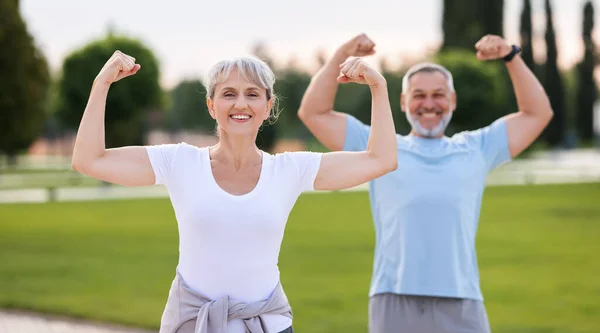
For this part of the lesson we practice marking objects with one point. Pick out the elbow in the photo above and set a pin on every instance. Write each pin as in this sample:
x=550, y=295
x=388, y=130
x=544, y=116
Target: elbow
x=548, y=112
x=547, y=115
x=80, y=165
x=390, y=164
x=391, y=161
x=83, y=161
x=387, y=164
x=308, y=113
x=302, y=113
x=77, y=165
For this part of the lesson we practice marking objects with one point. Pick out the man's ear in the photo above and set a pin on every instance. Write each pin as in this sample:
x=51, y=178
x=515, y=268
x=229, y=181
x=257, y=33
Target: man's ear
x=453, y=101
x=402, y=101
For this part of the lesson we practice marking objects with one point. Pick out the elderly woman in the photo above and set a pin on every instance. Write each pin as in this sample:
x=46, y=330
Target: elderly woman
x=232, y=200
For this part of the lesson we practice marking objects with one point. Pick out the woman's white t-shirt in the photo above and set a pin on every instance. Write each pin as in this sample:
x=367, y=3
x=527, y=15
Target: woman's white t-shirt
x=229, y=244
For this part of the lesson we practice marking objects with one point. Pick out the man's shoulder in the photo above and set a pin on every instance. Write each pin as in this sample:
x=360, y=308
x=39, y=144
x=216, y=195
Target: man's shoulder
x=469, y=137
x=476, y=136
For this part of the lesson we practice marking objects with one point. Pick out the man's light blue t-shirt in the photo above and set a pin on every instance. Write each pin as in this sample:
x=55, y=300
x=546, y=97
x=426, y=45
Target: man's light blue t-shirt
x=426, y=212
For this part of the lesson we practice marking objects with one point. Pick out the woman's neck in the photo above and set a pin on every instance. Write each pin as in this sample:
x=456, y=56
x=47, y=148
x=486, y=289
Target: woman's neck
x=237, y=151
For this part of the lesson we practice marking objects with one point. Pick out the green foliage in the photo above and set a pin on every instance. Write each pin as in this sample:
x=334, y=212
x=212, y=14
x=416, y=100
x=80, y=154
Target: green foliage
x=354, y=99
x=526, y=32
x=553, y=84
x=570, y=78
x=587, y=90
x=481, y=90
x=464, y=22
x=189, y=110
x=129, y=100
x=492, y=16
x=394, y=83
x=267, y=137
x=24, y=84
x=460, y=24
x=290, y=86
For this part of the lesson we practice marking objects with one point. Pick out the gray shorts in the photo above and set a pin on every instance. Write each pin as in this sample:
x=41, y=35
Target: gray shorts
x=392, y=313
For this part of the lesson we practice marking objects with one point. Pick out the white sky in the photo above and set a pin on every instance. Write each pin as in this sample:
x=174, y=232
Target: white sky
x=188, y=36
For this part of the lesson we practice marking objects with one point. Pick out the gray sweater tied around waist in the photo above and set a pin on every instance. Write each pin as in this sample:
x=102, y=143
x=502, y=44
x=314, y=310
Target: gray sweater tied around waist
x=212, y=316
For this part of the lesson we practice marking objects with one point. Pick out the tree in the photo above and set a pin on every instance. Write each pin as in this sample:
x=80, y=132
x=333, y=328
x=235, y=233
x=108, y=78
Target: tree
x=526, y=32
x=290, y=86
x=464, y=22
x=553, y=84
x=460, y=26
x=394, y=83
x=24, y=84
x=129, y=101
x=189, y=110
x=492, y=17
x=587, y=91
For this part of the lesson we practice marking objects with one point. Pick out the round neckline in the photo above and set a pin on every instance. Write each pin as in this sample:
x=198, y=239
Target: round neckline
x=261, y=177
x=430, y=141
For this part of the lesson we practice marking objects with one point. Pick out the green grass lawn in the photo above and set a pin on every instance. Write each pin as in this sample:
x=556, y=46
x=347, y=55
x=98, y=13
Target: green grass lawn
x=114, y=260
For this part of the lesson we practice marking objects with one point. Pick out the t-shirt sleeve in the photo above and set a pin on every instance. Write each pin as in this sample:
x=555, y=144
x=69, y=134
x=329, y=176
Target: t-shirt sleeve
x=493, y=143
x=162, y=159
x=305, y=169
x=357, y=134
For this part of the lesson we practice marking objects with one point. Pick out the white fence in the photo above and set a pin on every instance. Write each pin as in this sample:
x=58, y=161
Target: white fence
x=544, y=168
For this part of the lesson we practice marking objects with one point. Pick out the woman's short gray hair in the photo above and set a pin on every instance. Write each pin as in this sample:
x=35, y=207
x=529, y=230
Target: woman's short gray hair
x=251, y=69
x=426, y=67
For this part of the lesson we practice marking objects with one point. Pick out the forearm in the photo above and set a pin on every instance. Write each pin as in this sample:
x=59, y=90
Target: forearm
x=382, y=138
x=90, y=141
x=341, y=170
x=531, y=97
x=320, y=93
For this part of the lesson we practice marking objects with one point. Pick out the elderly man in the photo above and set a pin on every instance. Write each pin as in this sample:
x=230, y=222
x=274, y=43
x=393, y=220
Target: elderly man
x=426, y=212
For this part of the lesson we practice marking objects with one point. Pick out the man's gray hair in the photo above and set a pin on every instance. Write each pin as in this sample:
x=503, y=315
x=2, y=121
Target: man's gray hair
x=426, y=67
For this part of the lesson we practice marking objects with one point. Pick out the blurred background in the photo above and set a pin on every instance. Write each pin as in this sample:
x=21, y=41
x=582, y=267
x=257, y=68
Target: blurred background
x=75, y=247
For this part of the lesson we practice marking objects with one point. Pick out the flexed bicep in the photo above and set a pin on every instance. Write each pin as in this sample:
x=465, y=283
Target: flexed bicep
x=343, y=170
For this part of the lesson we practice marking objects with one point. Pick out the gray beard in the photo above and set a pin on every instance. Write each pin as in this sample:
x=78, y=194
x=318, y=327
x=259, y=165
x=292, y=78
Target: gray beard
x=429, y=133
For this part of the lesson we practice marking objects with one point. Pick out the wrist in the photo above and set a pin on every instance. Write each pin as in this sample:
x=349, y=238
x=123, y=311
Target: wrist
x=378, y=84
x=339, y=56
x=514, y=51
x=101, y=85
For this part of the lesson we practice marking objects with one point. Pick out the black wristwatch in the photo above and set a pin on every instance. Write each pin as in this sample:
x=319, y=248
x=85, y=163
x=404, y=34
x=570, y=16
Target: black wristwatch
x=515, y=50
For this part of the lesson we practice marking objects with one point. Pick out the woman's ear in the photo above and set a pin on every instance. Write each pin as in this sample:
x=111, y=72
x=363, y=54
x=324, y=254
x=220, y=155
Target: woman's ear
x=209, y=105
x=269, y=108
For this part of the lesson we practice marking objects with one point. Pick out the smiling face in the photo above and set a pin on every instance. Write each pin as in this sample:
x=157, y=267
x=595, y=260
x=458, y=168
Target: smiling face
x=239, y=106
x=240, y=95
x=428, y=102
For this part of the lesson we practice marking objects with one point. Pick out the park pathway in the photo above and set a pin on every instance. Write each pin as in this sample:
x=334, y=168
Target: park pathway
x=24, y=322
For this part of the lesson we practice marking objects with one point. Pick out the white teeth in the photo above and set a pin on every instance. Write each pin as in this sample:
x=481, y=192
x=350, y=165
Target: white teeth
x=240, y=117
x=429, y=115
